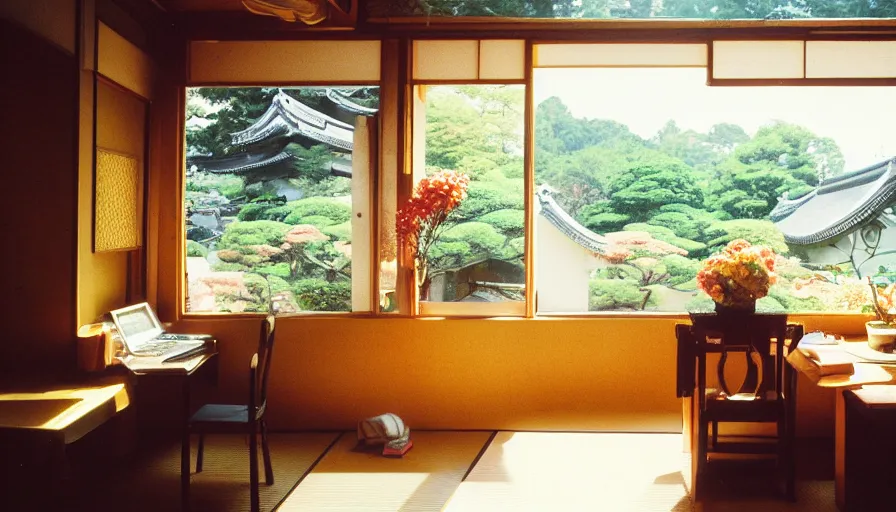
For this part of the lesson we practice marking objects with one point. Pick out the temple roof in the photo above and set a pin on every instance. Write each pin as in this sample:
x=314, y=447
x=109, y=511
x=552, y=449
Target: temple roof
x=240, y=163
x=567, y=225
x=344, y=102
x=287, y=117
x=838, y=205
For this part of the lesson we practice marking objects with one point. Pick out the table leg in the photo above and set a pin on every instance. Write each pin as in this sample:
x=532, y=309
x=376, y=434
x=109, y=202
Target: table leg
x=185, y=448
x=840, y=450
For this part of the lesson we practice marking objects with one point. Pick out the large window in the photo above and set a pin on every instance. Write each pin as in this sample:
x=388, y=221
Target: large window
x=277, y=198
x=644, y=9
x=643, y=172
x=476, y=130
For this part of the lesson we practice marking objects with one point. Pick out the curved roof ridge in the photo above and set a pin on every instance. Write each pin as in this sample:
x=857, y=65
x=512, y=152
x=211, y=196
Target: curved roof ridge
x=863, y=200
x=289, y=116
x=343, y=101
x=787, y=206
x=567, y=225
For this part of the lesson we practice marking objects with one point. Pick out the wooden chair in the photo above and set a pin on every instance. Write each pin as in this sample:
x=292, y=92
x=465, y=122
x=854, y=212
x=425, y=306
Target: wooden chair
x=767, y=395
x=240, y=419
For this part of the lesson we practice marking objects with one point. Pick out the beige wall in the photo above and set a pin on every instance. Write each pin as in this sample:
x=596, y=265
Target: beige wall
x=120, y=127
x=542, y=374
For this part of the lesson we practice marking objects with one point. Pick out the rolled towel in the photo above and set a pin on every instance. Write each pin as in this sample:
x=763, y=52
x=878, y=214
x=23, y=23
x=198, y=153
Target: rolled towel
x=388, y=430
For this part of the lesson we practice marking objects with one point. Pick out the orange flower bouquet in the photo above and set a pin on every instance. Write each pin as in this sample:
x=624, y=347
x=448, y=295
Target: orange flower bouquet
x=421, y=221
x=739, y=275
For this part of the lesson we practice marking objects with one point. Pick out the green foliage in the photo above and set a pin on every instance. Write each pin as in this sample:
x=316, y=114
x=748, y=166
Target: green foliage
x=259, y=232
x=195, y=249
x=341, y=231
x=757, y=232
x=318, y=221
x=322, y=295
x=615, y=294
x=452, y=142
x=482, y=238
x=446, y=255
x=484, y=197
x=694, y=9
x=681, y=270
x=511, y=223
x=253, y=211
x=333, y=209
x=280, y=270
x=646, y=188
x=791, y=303
x=229, y=267
x=604, y=222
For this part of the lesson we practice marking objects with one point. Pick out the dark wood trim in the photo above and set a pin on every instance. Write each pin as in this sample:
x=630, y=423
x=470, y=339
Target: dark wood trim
x=801, y=82
x=710, y=64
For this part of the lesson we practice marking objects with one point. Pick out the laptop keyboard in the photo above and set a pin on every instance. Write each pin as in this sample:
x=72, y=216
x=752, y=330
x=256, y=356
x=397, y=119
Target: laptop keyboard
x=156, y=348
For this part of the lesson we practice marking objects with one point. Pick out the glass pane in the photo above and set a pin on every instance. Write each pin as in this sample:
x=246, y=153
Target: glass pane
x=475, y=130
x=270, y=201
x=641, y=174
x=665, y=9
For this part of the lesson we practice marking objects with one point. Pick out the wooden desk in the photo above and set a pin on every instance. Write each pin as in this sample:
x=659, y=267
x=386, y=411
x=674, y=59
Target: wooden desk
x=866, y=373
x=183, y=371
x=37, y=422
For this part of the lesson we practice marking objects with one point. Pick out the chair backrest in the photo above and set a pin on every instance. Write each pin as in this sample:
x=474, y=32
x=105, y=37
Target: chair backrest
x=260, y=368
x=760, y=336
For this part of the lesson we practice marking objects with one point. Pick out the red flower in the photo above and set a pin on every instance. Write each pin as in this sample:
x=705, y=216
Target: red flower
x=418, y=222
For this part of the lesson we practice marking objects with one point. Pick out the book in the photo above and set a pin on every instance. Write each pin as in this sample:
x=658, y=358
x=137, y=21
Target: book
x=834, y=361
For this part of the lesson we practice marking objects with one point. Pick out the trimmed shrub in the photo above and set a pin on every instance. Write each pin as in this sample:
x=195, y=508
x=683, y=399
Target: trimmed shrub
x=321, y=295
x=341, y=232
x=333, y=209
x=196, y=250
x=511, y=223
x=483, y=238
x=614, y=294
x=257, y=232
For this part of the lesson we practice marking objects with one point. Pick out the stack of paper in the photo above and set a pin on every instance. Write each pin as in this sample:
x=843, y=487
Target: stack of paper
x=829, y=359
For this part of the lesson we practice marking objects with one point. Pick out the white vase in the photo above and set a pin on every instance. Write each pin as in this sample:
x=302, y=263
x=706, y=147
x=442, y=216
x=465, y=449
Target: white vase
x=881, y=336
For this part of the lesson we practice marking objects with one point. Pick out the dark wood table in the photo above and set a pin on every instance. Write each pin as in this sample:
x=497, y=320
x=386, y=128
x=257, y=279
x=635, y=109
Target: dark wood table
x=147, y=370
x=867, y=374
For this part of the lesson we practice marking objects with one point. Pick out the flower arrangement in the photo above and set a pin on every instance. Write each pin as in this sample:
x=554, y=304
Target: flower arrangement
x=421, y=221
x=739, y=275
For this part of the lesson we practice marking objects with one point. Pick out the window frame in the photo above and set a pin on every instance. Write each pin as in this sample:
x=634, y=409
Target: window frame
x=533, y=32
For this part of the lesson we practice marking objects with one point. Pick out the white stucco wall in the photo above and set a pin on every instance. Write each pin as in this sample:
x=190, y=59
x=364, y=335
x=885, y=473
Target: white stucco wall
x=562, y=269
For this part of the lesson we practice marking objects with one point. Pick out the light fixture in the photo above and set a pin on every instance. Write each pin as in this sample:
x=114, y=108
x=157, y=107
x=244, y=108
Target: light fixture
x=309, y=12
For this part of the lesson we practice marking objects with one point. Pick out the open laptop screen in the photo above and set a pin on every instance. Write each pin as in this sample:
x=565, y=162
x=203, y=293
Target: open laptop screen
x=137, y=324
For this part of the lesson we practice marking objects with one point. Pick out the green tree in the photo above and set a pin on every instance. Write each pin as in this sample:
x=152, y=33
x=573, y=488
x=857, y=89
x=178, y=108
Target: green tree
x=647, y=187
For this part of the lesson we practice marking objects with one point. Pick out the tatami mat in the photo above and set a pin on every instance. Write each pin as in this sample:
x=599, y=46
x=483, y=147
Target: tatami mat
x=350, y=480
x=152, y=481
x=524, y=471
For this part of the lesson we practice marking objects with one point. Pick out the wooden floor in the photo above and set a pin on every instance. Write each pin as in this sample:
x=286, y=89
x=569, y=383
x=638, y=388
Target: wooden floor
x=450, y=471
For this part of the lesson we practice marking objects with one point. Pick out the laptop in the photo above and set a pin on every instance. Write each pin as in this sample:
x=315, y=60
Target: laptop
x=143, y=335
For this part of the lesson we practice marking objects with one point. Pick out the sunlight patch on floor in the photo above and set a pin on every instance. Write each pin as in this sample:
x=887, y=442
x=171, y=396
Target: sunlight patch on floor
x=576, y=471
x=350, y=480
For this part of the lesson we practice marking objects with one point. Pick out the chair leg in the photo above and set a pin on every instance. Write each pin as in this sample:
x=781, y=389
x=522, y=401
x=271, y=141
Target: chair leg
x=700, y=484
x=185, y=472
x=266, y=453
x=715, y=434
x=199, y=453
x=253, y=469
